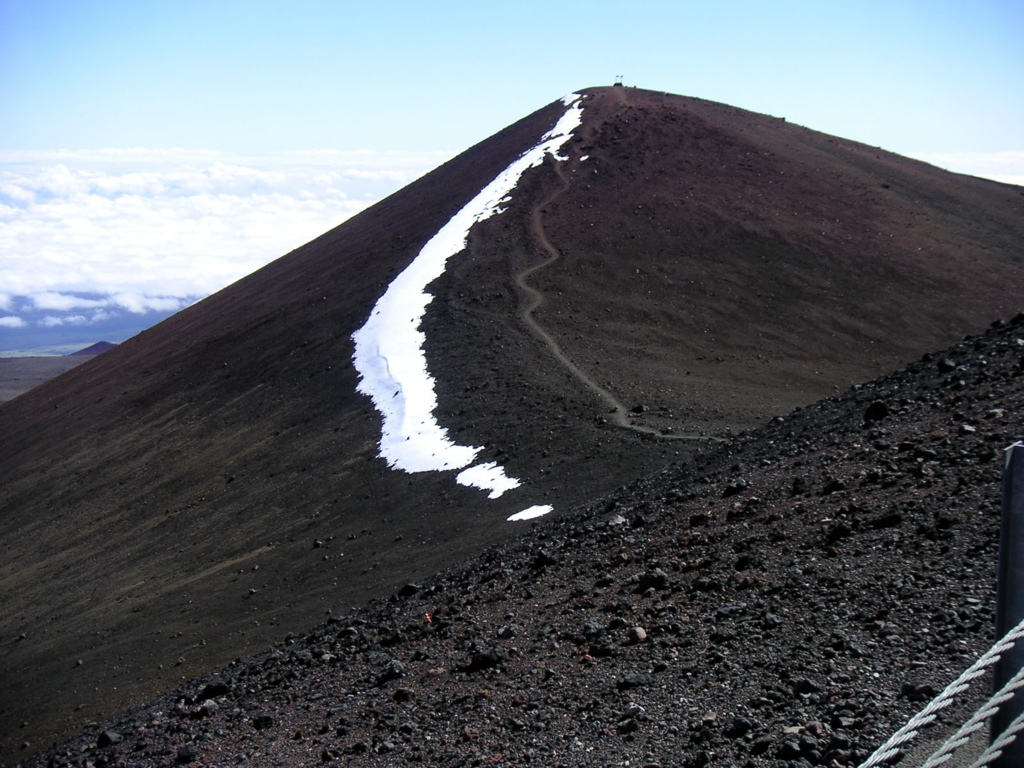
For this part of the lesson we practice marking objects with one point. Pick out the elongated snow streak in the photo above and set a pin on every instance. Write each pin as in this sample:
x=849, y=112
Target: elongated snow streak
x=389, y=347
x=531, y=512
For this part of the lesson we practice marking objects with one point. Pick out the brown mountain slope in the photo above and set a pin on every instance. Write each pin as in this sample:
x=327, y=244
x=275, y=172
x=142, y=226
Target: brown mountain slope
x=786, y=599
x=212, y=484
x=726, y=266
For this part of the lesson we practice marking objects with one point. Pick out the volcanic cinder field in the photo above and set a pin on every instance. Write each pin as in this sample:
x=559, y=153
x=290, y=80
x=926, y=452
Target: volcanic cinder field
x=675, y=274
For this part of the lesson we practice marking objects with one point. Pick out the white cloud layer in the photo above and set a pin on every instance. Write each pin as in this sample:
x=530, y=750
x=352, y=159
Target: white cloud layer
x=1007, y=167
x=174, y=223
x=88, y=234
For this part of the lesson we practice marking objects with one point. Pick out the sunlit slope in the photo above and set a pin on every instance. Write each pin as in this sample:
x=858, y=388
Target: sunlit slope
x=719, y=267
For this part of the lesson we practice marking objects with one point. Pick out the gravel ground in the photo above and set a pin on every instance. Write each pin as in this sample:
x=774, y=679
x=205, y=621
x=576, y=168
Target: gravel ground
x=787, y=599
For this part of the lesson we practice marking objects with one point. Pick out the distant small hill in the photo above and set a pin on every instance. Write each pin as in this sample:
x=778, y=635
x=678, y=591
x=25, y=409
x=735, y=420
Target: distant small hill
x=96, y=349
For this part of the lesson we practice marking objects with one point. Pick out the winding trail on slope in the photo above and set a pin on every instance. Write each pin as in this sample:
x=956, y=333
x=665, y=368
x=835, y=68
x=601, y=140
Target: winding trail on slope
x=535, y=299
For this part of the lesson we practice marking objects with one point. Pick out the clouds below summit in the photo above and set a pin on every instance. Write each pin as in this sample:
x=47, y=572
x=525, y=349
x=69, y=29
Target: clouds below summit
x=85, y=236
x=1006, y=167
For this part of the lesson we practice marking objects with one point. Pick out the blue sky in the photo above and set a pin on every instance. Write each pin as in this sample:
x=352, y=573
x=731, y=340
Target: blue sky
x=138, y=139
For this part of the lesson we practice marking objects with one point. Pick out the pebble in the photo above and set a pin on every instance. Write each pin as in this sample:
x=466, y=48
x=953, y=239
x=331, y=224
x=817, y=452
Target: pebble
x=636, y=635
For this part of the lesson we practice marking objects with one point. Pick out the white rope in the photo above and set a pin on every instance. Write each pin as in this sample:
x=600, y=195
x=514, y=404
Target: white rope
x=977, y=720
x=995, y=749
x=910, y=731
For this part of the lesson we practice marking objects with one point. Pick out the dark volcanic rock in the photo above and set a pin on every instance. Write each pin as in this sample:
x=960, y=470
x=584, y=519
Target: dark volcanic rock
x=393, y=670
x=877, y=411
x=108, y=738
x=486, y=658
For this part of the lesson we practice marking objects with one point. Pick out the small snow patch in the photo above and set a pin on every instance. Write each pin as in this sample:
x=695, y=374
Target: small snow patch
x=488, y=477
x=531, y=512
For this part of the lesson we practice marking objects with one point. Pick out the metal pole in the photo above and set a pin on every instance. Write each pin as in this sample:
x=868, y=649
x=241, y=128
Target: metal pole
x=1010, y=601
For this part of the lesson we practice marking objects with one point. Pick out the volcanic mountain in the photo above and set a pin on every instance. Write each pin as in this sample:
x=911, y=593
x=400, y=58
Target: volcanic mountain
x=673, y=272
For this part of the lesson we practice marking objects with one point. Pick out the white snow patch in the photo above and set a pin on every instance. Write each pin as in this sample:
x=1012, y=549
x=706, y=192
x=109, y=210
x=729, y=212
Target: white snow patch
x=389, y=347
x=531, y=512
x=488, y=477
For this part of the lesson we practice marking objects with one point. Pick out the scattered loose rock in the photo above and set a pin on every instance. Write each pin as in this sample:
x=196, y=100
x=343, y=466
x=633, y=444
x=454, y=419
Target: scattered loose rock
x=851, y=581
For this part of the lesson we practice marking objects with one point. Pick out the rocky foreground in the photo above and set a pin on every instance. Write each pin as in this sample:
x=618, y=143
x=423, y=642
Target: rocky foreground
x=787, y=599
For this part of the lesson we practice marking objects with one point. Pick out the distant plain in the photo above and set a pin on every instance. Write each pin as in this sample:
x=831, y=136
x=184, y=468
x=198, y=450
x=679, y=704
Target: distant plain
x=20, y=374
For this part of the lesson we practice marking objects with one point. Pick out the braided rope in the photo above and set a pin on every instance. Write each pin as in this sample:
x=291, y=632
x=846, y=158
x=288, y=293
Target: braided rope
x=910, y=731
x=976, y=721
x=995, y=749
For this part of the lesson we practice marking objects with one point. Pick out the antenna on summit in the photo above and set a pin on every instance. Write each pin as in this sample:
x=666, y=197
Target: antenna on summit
x=618, y=80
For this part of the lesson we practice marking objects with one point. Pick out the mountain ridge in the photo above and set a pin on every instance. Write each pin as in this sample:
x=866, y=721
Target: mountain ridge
x=225, y=463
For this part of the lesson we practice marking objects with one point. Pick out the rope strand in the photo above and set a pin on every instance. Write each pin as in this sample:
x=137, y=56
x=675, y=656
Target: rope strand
x=976, y=721
x=913, y=727
x=995, y=749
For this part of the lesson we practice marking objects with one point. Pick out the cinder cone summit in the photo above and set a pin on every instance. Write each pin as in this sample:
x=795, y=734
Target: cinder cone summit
x=678, y=272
